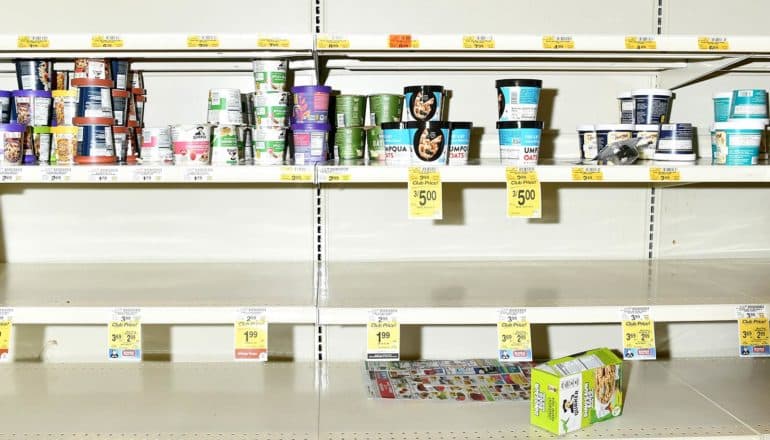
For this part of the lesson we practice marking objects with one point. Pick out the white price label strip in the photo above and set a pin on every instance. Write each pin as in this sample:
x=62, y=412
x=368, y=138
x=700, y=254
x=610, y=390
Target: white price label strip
x=383, y=335
x=148, y=174
x=124, y=339
x=10, y=174
x=514, y=336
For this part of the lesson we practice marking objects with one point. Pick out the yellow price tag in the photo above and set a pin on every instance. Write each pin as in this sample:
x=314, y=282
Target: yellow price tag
x=251, y=335
x=478, y=42
x=523, y=189
x=753, y=331
x=587, y=174
x=558, y=42
x=273, y=43
x=425, y=198
x=33, y=42
x=340, y=177
x=638, y=333
x=641, y=42
x=383, y=335
x=336, y=174
x=665, y=174
x=6, y=329
x=124, y=336
x=333, y=42
x=106, y=41
x=202, y=41
x=295, y=174
x=713, y=43
x=514, y=336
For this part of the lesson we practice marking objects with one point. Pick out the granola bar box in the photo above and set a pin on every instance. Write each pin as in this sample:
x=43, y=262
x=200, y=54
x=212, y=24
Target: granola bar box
x=576, y=391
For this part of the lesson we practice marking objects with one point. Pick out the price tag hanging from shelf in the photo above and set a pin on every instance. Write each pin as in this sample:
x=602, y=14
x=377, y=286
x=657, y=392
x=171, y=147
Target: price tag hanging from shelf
x=638, y=333
x=6, y=331
x=124, y=335
x=251, y=335
x=425, y=197
x=514, y=336
x=753, y=330
x=383, y=335
x=523, y=190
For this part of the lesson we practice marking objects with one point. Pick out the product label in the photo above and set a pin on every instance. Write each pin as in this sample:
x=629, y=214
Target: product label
x=478, y=42
x=514, y=337
x=6, y=329
x=103, y=174
x=202, y=41
x=33, y=42
x=665, y=174
x=383, y=335
x=10, y=174
x=268, y=42
x=638, y=333
x=104, y=41
x=646, y=143
x=250, y=335
x=587, y=174
x=558, y=42
x=56, y=174
x=739, y=147
x=401, y=41
x=651, y=110
x=753, y=330
x=198, y=174
x=148, y=174
x=638, y=42
x=713, y=43
x=588, y=145
x=425, y=197
x=459, y=145
x=518, y=103
x=333, y=42
x=124, y=339
x=398, y=146
x=749, y=104
x=336, y=174
x=521, y=145
x=296, y=174
x=523, y=188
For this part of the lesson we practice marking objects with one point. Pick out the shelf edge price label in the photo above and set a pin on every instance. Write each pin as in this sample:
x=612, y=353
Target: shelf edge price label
x=251, y=334
x=124, y=336
x=713, y=43
x=273, y=42
x=57, y=174
x=558, y=42
x=202, y=41
x=336, y=174
x=478, y=41
x=400, y=41
x=199, y=174
x=383, y=335
x=103, y=174
x=148, y=174
x=665, y=174
x=514, y=335
x=587, y=174
x=333, y=42
x=6, y=331
x=638, y=333
x=33, y=42
x=523, y=190
x=425, y=197
x=296, y=174
x=10, y=174
x=753, y=330
x=106, y=41
x=641, y=42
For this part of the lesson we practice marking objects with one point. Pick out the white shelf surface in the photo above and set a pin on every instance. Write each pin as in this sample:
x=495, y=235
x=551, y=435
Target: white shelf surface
x=657, y=405
x=168, y=293
x=552, y=291
x=164, y=400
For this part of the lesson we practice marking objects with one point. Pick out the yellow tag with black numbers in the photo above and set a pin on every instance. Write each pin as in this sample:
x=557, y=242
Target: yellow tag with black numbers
x=383, y=335
x=523, y=188
x=665, y=174
x=753, y=330
x=514, y=336
x=478, y=42
x=6, y=329
x=295, y=174
x=638, y=42
x=33, y=42
x=587, y=174
x=251, y=335
x=106, y=41
x=124, y=341
x=202, y=41
x=713, y=43
x=638, y=333
x=558, y=42
x=333, y=42
x=425, y=198
x=273, y=43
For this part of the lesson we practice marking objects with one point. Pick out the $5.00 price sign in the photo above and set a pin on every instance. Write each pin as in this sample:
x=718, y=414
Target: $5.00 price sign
x=523, y=189
x=638, y=333
x=124, y=336
x=251, y=335
x=514, y=336
x=753, y=330
x=425, y=197
x=6, y=327
x=383, y=335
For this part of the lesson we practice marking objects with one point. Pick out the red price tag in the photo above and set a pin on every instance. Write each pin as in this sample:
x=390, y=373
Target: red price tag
x=400, y=41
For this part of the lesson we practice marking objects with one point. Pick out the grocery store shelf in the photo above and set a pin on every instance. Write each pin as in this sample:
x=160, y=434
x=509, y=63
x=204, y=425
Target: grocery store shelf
x=657, y=405
x=198, y=293
x=159, y=400
x=553, y=291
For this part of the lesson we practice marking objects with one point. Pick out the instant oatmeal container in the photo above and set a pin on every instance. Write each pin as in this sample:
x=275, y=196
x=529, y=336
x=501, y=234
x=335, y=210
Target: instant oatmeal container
x=430, y=143
x=459, y=142
x=738, y=142
x=626, y=101
x=224, y=107
x=224, y=145
x=384, y=107
x=675, y=143
x=517, y=99
x=92, y=68
x=119, y=73
x=349, y=142
x=350, y=110
x=120, y=106
x=5, y=106
x=424, y=103
x=31, y=107
x=61, y=80
x=520, y=141
x=607, y=134
x=587, y=142
x=28, y=156
x=41, y=145
x=749, y=104
x=311, y=142
x=64, y=145
x=722, y=102
x=647, y=136
x=120, y=138
x=139, y=100
x=11, y=140
x=397, y=140
x=269, y=145
x=375, y=143
x=271, y=109
x=156, y=146
x=191, y=144
x=270, y=75
x=94, y=97
x=652, y=106
x=65, y=106
x=95, y=142
x=34, y=74
x=311, y=104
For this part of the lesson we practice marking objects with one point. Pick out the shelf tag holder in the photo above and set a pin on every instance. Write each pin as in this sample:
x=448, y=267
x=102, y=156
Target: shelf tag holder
x=514, y=335
x=753, y=331
x=383, y=335
x=425, y=196
x=6, y=333
x=587, y=174
x=251, y=334
x=524, y=194
x=638, y=333
x=124, y=335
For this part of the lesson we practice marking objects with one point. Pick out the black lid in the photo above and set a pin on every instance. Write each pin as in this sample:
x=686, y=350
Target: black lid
x=413, y=124
x=429, y=124
x=426, y=89
x=519, y=124
x=466, y=125
x=392, y=125
x=519, y=83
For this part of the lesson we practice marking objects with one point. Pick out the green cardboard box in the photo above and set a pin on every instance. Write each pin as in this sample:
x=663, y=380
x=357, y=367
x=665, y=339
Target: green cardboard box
x=577, y=391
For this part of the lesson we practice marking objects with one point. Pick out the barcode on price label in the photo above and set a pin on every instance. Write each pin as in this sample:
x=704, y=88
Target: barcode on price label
x=638, y=333
x=273, y=42
x=558, y=42
x=33, y=42
x=194, y=41
x=753, y=330
x=478, y=42
x=333, y=42
x=713, y=43
x=124, y=336
x=100, y=41
x=336, y=174
x=639, y=42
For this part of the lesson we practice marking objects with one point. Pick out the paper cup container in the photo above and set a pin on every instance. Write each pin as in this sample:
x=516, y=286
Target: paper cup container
x=65, y=107
x=92, y=68
x=37, y=149
x=749, y=104
x=11, y=143
x=587, y=142
x=224, y=145
x=518, y=99
x=520, y=141
x=271, y=109
x=675, y=143
x=722, y=102
x=349, y=110
x=191, y=144
x=647, y=140
x=738, y=142
x=652, y=106
x=5, y=106
x=31, y=107
x=385, y=108
x=349, y=142
x=224, y=107
x=424, y=103
x=607, y=134
x=95, y=142
x=64, y=145
x=375, y=144
x=311, y=104
x=397, y=140
x=270, y=75
x=120, y=138
x=34, y=74
x=136, y=79
x=269, y=145
x=119, y=73
x=430, y=143
x=311, y=142
x=156, y=146
x=94, y=97
x=459, y=142
x=120, y=107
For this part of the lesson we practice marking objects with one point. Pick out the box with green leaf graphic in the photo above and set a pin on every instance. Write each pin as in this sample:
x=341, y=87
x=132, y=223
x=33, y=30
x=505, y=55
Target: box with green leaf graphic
x=577, y=391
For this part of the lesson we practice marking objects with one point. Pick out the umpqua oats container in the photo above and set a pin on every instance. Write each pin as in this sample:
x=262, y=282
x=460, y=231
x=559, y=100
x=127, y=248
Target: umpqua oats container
x=518, y=99
x=224, y=107
x=430, y=143
x=270, y=75
x=520, y=141
x=749, y=104
x=459, y=142
x=397, y=139
x=424, y=103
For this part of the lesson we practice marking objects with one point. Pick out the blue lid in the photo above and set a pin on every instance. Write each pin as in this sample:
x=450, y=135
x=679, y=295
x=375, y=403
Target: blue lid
x=303, y=89
x=13, y=127
x=35, y=93
x=5, y=93
x=307, y=126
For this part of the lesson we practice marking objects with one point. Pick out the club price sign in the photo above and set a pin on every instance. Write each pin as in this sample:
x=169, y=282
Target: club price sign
x=425, y=197
x=251, y=335
x=124, y=336
x=383, y=335
x=753, y=330
x=514, y=336
x=523, y=189
x=638, y=333
x=6, y=327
